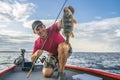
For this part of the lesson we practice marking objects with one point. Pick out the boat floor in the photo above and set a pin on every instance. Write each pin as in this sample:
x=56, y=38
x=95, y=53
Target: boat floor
x=18, y=74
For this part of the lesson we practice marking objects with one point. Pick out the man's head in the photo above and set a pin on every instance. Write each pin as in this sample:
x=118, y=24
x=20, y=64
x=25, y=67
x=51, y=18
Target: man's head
x=35, y=24
x=39, y=28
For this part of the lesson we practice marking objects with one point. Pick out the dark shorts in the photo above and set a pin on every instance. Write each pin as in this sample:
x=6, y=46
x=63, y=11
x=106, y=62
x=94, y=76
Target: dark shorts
x=50, y=62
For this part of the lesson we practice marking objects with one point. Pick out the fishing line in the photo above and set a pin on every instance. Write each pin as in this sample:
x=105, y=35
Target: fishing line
x=60, y=11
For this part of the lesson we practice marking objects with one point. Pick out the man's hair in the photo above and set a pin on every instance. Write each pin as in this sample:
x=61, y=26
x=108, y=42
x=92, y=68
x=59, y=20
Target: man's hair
x=71, y=9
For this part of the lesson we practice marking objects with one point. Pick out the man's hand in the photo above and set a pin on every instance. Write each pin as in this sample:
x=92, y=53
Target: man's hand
x=59, y=24
x=36, y=55
x=33, y=57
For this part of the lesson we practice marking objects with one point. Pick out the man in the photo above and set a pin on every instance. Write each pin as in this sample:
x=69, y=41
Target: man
x=53, y=42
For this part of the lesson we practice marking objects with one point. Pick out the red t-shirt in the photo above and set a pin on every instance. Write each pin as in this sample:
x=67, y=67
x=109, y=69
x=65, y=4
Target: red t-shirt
x=53, y=40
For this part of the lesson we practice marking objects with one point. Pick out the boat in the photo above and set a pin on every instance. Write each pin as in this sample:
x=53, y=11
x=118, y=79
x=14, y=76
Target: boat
x=19, y=72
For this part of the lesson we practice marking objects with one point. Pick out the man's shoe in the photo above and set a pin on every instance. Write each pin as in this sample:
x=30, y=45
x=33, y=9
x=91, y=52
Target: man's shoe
x=62, y=76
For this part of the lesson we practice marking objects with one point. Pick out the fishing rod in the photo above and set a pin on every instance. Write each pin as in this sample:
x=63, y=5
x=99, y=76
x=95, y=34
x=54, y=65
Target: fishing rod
x=28, y=74
x=60, y=11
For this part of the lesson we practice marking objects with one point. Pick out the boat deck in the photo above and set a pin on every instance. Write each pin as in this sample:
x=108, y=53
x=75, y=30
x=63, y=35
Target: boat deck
x=18, y=74
x=71, y=74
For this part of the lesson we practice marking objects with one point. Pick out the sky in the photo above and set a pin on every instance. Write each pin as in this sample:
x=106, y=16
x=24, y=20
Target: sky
x=97, y=28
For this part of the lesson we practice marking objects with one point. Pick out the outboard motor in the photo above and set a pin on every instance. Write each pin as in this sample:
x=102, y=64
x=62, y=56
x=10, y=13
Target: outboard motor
x=20, y=60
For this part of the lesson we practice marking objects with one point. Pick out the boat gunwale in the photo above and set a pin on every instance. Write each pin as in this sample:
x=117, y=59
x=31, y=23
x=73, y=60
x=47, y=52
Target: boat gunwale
x=7, y=70
x=95, y=71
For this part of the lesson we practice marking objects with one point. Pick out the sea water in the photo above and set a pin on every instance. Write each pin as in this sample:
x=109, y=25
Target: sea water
x=109, y=62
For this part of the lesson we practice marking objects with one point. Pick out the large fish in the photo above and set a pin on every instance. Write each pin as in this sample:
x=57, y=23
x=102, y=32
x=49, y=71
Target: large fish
x=68, y=23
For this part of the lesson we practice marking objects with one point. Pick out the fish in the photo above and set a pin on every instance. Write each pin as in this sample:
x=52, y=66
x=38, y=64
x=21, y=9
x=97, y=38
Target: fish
x=67, y=23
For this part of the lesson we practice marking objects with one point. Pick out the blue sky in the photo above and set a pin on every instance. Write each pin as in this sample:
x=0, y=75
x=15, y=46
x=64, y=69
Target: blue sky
x=97, y=28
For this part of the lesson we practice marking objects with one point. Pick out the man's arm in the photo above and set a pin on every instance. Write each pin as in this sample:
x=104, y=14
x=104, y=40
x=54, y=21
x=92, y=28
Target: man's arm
x=36, y=55
x=59, y=24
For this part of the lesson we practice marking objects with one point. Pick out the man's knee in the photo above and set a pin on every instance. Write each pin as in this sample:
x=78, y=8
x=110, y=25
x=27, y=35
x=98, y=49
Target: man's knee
x=47, y=72
x=63, y=46
x=65, y=49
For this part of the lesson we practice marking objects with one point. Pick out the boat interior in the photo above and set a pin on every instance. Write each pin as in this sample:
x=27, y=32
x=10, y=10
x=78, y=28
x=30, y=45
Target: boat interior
x=21, y=74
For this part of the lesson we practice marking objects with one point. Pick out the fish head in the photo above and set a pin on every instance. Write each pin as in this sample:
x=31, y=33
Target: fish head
x=67, y=12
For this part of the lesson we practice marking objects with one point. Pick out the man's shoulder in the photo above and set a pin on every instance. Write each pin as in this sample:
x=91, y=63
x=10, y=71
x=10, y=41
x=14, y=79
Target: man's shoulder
x=53, y=27
x=38, y=39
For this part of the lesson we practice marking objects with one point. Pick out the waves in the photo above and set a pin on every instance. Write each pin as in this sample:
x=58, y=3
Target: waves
x=109, y=62
x=103, y=61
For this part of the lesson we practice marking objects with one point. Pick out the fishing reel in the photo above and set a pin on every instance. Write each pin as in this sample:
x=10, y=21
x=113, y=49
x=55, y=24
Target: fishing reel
x=42, y=59
x=20, y=60
x=23, y=52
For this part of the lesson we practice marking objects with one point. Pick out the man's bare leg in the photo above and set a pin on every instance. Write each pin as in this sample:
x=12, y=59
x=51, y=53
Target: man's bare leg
x=47, y=72
x=63, y=51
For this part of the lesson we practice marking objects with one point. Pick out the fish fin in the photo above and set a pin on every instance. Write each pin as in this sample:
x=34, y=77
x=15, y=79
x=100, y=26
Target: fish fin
x=72, y=35
x=74, y=21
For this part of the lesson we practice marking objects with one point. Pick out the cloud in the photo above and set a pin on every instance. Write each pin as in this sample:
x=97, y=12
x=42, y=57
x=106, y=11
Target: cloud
x=101, y=35
x=95, y=28
x=28, y=24
x=10, y=32
x=48, y=22
x=118, y=32
x=2, y=26
x=94, y=36
x=14, y=40
x=15, y=11
x=85, y=45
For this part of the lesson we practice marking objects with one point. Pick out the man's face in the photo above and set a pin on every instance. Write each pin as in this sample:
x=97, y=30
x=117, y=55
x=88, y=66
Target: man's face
x=41, y=31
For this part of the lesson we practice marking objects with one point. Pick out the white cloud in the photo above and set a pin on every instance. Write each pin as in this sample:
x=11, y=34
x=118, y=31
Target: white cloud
x=10, y=32
x=48, y=22
x=118, y=33
x=2, y=26
x=20, y=40
x=15, y=11
x=97, y=27
x=87, y=46
x=101, y=35
x=28, y=24
x=94, y=36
